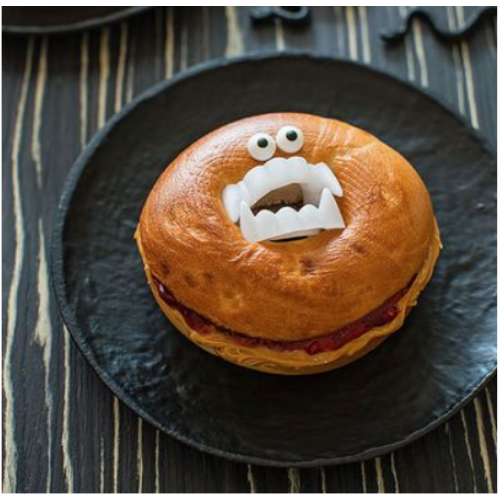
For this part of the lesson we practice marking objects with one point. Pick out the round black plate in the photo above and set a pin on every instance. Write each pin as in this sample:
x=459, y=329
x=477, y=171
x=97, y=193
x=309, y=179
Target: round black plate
x=51, y=20
x=415, y=380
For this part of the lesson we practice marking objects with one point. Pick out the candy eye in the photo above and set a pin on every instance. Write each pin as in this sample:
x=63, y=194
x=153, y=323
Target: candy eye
x=261, y=147
x=290, y=139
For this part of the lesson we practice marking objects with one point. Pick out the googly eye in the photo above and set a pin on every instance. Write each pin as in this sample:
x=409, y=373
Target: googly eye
x=261, y=147
x=290, y=139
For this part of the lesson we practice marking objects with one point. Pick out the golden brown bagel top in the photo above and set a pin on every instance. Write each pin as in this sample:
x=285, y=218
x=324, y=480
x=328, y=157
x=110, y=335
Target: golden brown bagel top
x=294, y=290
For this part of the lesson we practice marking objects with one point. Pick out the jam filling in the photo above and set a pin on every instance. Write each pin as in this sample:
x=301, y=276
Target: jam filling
x=381, y=315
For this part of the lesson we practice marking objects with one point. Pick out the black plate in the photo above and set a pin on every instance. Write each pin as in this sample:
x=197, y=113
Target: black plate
x=51, y=20
x=407, y=386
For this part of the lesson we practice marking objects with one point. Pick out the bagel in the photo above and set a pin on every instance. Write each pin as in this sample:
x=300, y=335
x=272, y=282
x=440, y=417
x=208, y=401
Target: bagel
x=288, y=243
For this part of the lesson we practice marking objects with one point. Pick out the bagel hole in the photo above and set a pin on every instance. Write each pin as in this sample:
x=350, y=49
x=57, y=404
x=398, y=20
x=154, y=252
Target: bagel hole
x=286, y=196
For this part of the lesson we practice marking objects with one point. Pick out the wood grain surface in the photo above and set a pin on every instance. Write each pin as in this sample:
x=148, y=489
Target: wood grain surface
x=63, y=430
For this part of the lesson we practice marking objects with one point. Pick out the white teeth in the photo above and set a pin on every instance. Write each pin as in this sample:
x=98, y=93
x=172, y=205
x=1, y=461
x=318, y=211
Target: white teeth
x=310, y=193
x=267, y=225
x=329, y=179
x=318, y=183
x=298, y=170
x=248, y=224
x=330, y=212
x=310, y=217
x=256, y=182
x=231, y=200
x=289, y=220
x=277, y=171
x=245, y=194
x=288, y=223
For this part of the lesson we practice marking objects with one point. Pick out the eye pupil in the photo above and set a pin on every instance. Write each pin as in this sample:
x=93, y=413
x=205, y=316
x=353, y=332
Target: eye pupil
x=291, y=135
x=262, y=142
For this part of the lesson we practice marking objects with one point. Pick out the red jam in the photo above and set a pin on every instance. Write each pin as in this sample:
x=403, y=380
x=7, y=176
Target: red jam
x=382, y=315
x=193, y=320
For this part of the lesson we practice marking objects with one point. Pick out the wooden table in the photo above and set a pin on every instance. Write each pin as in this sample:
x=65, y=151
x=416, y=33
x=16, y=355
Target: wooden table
x=63, y=430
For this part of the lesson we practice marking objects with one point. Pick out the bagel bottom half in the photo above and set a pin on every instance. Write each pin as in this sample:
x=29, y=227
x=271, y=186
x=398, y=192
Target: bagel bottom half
x=299, y=362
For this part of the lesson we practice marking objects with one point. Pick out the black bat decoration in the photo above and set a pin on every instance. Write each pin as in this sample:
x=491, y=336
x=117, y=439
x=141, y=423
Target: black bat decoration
x=292, y=15
x=465, y=31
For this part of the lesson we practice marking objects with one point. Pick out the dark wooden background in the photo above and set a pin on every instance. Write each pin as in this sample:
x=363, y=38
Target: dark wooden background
x=63, y=430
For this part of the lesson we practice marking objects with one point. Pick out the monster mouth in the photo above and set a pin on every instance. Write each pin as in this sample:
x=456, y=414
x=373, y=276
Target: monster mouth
x=318, y=211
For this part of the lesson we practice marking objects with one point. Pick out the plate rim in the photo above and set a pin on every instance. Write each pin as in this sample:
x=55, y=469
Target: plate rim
x=88, y=24
x=67, y=312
